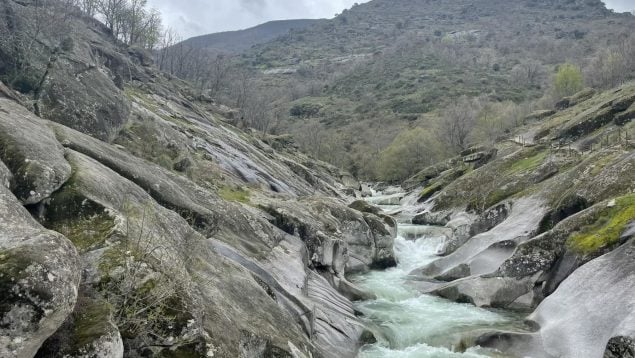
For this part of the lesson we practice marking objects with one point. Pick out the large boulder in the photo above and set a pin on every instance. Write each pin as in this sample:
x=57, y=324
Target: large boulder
x=595, y=304
x=440, y=218
x=485, y=252
x=579, y=97
x=39, y=279
x=540, y=115
x=89, y=102
x=340, y=239
x=63, y=69
x=486, y=291
x=461, y=226
x=31, y=152
x=596, y=117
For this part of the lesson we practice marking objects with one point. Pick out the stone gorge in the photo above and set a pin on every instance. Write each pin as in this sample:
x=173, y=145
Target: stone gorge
x=138, y=220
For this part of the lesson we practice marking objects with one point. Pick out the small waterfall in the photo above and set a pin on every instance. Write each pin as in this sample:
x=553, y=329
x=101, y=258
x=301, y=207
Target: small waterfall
x=418, y=325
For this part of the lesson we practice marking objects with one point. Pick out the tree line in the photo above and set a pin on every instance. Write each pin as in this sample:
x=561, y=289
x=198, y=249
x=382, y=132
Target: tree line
x=130, y=21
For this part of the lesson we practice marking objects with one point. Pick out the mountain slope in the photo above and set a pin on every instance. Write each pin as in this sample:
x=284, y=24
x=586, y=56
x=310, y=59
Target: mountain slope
x=241, y=40
x=386, y=66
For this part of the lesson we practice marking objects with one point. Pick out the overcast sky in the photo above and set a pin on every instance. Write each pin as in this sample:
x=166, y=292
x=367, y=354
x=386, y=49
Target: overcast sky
x=198, y=17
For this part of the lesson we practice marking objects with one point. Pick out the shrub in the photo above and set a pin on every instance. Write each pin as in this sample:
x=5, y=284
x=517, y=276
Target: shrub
x=568, y=80
x=411, y=151
x=305, y=110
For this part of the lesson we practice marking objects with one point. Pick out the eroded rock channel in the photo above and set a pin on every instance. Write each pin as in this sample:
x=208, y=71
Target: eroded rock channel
x=410, y=323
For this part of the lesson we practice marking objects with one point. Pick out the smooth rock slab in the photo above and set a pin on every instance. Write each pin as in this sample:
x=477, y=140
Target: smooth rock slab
x=593, y=305
x=29, y=149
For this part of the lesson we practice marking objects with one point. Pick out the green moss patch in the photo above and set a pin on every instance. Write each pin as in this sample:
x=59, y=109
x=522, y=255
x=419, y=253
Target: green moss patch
x=606, y=229
x=442, y=181
x=14, y=264
x=234, y=194
x=143, y=140
x=92, y=321
x=529, y=163
x=429, y=191
x=84, y=222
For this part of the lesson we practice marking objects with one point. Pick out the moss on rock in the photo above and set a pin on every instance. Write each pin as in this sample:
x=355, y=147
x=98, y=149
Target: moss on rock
x=234, y=194
x=84, y=222
x=92, y=321
x=529, y=163
x=606, y=228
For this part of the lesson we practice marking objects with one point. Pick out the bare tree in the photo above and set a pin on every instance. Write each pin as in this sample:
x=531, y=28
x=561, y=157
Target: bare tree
x=613, y=66
x=130, y=21
x=112, y=13
x=527, y=72
x=457, y=123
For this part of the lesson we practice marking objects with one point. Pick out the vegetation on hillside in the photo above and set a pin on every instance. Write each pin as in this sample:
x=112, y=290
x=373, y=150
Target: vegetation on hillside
x=456, y=73
x=386, y=87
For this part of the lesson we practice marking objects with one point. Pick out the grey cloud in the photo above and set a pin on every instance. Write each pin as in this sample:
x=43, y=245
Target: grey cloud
x=198, y=17
x=620, y=5
x=254, y=5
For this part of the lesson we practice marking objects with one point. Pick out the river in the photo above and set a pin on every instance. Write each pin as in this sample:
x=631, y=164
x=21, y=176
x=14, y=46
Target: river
x=414, y=325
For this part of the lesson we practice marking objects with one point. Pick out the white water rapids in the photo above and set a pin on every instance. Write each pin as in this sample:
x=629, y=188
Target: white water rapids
x=419, y=325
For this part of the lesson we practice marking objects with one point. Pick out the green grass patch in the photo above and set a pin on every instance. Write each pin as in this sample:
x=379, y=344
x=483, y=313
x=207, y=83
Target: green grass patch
x=529, y=163
x=234, y=194
x=607, y=227
x=87, y=232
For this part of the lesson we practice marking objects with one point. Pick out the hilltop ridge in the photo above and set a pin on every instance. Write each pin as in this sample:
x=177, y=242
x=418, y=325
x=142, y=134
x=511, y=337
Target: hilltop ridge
x=241, y=40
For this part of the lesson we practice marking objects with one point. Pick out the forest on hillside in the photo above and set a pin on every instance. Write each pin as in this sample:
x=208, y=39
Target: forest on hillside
x=388, y=83
x=383, y=89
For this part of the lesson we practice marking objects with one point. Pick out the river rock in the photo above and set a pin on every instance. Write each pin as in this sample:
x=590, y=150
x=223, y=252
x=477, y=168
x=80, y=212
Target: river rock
x=31, y=152
x=441, y=218
x=456, y=273
x=339, y=238
x=620, y=347
x=365, y=207
x=491, y=218
x=482, y=252
x=486, y=291
x=460, y=227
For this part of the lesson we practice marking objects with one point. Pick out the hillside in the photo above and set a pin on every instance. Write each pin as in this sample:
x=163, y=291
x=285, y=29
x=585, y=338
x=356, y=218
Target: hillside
x=135, y=221
x=241, y=40
x=383, y=67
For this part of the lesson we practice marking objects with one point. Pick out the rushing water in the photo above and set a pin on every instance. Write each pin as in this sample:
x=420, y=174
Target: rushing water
x=416, y=325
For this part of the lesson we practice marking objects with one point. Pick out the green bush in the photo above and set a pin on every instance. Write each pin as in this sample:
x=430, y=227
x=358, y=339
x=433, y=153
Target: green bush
x=568, y=80
x=305, y=110
x=411, y=151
